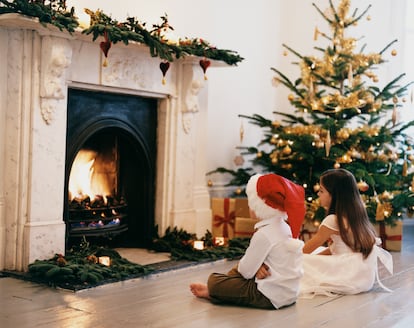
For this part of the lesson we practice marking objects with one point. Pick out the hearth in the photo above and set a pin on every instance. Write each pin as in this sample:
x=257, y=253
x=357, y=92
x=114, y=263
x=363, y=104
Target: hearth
x=110, y=168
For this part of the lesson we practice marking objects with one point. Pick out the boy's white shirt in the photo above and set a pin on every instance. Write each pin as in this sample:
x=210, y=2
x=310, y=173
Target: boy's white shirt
x=273, y=245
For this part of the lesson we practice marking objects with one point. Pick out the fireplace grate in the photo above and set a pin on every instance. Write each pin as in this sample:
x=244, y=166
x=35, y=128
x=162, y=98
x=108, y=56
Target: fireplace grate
x=96, y=219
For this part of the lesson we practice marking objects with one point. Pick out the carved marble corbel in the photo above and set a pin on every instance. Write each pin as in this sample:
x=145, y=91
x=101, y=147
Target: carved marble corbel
x=191, y=105
x=56, y=57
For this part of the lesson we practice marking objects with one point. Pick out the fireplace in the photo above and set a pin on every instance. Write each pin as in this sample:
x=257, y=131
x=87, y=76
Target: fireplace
x=110, y=168
x=58, y=101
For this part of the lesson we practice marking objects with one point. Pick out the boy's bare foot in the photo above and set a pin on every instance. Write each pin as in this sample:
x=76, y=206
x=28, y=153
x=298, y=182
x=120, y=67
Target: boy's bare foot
x=200, y=290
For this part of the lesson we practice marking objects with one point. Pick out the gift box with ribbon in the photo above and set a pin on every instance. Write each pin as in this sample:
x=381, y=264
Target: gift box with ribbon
x=242, y=208
x=391, y=236
x=309, y=229
x=244, y=227
x=223, y=220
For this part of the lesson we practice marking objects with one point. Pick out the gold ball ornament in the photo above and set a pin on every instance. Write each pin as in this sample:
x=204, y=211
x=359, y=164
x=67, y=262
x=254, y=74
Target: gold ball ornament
x=209, y=183
x=291, y=97
x=285, y=53
x=259, y=154
x=394, y=52
x=316, y=187
x=238, y=191
x=337, y=165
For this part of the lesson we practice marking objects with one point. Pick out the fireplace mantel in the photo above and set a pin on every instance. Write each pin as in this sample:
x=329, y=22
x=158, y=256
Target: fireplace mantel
x=39, y=64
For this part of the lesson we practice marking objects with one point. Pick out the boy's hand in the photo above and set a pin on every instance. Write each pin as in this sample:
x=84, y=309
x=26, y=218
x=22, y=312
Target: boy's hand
x=263, y=272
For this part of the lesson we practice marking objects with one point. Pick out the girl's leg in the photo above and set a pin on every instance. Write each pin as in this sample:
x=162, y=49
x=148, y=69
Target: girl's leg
x=232, y=288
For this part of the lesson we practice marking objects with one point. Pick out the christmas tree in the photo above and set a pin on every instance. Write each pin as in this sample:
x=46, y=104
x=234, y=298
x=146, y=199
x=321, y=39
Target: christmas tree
x=341, y=118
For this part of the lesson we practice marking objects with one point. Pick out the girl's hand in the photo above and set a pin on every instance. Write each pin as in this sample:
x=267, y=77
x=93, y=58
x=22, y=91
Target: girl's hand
x=263, y=272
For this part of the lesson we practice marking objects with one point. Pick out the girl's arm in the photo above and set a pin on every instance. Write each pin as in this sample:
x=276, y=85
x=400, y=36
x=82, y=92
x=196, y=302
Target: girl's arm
x=319, y=239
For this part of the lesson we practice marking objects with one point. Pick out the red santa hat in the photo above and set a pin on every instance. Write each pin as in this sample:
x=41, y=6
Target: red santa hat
x=271, y=195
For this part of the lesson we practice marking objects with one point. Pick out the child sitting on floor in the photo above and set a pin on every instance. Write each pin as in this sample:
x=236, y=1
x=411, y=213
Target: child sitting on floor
x=350, y=264
x=273, y=200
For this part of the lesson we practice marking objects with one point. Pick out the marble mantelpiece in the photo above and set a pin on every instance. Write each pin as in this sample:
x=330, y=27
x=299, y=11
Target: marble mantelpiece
x=39, y=64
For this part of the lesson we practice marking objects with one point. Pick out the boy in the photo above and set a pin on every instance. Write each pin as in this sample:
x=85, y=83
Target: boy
x=272, y=199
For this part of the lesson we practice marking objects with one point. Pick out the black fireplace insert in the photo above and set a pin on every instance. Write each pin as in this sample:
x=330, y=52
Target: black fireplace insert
x=110, y=168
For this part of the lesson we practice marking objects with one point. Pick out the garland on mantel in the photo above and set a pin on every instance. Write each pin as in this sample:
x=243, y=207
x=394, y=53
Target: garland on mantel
x=56, y=13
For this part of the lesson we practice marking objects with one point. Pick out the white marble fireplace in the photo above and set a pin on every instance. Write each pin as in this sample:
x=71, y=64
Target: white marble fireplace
x=38, y=65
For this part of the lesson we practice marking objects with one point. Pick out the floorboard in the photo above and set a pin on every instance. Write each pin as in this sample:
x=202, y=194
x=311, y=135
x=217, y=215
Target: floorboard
x=164, y=300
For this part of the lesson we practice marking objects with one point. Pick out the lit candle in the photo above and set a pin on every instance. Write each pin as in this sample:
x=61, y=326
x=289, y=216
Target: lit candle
x=104, y=260
x=198, y=244
x=219, y=241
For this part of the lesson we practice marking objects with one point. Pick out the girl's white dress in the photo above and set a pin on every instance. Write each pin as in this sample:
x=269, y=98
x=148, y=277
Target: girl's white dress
x=343, y=272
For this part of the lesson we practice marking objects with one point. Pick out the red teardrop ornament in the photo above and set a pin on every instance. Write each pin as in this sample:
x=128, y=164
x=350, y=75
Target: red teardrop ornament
x=164, y=66
x=105, y=46
x=205, y=63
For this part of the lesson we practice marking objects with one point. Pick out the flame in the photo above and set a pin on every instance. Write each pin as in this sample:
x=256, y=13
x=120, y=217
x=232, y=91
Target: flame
x=85, y=180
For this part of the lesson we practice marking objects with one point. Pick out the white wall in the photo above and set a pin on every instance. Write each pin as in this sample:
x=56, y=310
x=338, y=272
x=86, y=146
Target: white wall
x=256, y=30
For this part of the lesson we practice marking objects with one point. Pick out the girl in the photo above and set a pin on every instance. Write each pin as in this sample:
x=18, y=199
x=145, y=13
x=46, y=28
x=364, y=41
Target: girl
x=351, y=267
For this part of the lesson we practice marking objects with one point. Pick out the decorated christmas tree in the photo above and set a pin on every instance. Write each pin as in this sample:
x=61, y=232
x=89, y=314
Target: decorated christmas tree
x=340, y=118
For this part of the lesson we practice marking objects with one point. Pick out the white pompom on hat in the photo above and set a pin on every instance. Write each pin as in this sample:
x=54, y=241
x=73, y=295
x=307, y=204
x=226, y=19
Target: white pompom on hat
x=271, y=195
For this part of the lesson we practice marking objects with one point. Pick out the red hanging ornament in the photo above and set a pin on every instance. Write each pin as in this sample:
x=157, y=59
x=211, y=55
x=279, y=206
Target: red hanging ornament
x=205, y=63
x=164, y=66
x=105, y=46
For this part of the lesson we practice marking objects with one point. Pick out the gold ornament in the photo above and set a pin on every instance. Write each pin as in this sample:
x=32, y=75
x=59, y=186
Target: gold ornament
x=241, y=131
x=404, y=168
x=291, y=97
x=337, y=165
x=394, y=52
x=328, y=144
x=316, y=34
x=285, y=53
x=238, y=191
x=209, y=183
x=276, y=124
x=259, y=154
x=316, y=187
x=350, y=76
x=394, y=115
x=287, y=150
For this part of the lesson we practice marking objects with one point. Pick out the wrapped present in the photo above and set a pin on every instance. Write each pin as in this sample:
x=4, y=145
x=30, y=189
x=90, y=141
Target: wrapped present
x=223, y=211
x=242, y=208
x=391, y=236
x=244, y=227
x=308, y=230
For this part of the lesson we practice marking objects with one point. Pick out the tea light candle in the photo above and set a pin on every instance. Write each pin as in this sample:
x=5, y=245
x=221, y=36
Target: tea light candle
x=104, y=260
x=219, y=241
x=198, y=244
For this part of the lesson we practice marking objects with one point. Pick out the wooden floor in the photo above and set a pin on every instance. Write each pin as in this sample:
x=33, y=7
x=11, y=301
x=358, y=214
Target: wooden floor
x=164, y=300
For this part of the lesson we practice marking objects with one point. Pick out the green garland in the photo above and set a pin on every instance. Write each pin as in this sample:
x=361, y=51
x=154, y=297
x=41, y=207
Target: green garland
x=79, y=268
x=55, y=12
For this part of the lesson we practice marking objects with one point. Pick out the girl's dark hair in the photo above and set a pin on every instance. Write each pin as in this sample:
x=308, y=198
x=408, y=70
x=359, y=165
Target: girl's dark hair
x=349, y=209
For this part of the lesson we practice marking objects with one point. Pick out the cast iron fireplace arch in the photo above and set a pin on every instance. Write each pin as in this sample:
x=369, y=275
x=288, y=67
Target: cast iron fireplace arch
x=130, y=122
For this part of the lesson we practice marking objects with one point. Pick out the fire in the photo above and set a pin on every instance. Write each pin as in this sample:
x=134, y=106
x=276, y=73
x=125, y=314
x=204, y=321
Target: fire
x=86, y=178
